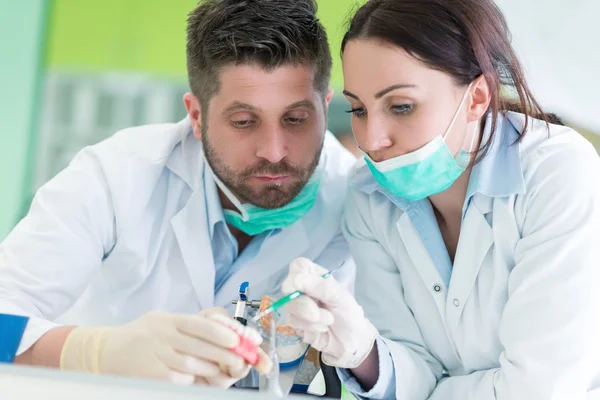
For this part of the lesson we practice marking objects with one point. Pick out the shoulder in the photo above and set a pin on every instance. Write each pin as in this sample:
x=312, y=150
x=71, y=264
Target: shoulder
x=555, y=154
x=147, y=143
x=560, y=172
x=132, y=162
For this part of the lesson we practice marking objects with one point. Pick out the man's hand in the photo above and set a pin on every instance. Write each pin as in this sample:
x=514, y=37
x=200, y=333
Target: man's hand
x=183, y=349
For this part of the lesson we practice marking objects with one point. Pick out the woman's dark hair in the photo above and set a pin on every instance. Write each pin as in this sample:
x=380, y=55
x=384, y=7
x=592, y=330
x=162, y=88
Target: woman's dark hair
x=464, y=38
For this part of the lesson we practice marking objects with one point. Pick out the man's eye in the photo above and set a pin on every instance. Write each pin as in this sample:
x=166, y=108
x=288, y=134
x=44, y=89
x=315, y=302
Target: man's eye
x=242, y=123
x=295, y=120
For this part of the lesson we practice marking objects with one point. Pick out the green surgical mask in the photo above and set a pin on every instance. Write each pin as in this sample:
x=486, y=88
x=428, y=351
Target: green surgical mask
x=254, y=220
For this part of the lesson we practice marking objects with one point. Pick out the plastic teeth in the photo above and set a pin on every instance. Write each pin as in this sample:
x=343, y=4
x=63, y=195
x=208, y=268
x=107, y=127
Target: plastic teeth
x=253, y=335
x=247, y=332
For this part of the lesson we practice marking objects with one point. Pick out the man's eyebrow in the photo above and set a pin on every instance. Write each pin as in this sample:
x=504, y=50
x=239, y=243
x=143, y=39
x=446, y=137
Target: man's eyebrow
x=303, y=103
x=238, y=105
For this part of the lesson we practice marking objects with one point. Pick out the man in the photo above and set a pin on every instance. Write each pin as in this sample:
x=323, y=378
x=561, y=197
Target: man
x=143, y=234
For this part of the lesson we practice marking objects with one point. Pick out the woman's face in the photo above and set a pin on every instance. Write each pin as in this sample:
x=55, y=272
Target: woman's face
x=398, y=103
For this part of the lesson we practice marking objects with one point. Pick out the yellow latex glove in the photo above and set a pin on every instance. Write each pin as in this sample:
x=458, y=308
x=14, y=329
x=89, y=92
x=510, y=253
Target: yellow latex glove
x=183, y=349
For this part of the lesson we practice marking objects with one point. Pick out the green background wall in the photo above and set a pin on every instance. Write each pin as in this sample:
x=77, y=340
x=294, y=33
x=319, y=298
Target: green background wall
x=146, y=35
x=22, y=29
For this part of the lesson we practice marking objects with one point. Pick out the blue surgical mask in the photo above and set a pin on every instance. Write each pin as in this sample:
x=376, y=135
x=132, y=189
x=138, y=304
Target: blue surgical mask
x=424, y=172
x=254, y=220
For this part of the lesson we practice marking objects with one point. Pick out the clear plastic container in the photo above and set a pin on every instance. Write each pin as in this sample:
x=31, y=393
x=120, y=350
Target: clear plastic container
x=290, y=347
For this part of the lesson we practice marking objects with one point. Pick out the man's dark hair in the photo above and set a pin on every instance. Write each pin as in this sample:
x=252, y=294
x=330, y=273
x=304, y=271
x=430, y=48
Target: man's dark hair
x=269, y=33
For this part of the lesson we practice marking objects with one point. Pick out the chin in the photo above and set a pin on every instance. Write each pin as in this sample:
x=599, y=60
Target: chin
x=271, y=198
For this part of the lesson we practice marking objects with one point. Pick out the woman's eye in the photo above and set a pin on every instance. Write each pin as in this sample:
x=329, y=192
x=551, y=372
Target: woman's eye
x=357, y=112
x=402, y=108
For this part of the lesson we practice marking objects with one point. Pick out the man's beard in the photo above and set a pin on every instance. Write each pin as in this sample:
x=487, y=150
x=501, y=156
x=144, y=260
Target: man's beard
x=269, y=196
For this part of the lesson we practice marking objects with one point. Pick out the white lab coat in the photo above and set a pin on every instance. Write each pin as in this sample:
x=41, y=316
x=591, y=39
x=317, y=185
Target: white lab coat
x=521, y=316
x=123, y=230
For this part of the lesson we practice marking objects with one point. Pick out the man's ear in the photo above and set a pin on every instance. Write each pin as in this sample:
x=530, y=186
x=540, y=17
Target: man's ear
x=194, y=111
x=329, y=96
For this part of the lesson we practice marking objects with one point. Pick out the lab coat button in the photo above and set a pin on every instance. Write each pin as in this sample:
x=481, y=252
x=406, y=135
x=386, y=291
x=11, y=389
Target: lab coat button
x=437, y=288
x=456, y=302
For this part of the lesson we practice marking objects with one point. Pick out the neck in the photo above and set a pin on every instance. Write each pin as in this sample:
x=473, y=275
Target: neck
x=449, y=203
x=242, y=238
x=225, y=202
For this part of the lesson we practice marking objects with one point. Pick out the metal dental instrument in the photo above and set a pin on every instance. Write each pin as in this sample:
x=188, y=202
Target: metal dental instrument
x=287, y=298
x=241, y=305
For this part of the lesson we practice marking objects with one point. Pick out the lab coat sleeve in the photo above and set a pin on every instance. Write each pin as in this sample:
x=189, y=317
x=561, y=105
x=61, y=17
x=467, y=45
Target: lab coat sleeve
x=380, y=293
x=48, y=259
x=550, y=326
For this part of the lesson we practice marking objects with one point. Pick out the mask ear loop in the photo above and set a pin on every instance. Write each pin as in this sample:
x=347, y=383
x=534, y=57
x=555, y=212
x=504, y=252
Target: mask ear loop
x=462, y=101
x=229, y=194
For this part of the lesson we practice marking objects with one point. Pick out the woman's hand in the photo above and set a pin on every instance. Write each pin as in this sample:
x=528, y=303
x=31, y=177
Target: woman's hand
x=328, y=316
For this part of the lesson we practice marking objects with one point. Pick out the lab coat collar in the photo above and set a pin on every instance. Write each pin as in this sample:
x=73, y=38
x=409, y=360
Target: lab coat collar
x=214, y=211
x=187, y=158
x=499, y=174
x=191, y=233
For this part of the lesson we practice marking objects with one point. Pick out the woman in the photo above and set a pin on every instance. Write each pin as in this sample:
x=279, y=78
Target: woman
x=472, y=220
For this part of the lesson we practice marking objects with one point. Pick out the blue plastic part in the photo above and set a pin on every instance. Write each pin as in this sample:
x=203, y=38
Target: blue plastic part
x=12, y=328
x=244, y=291
x=297, y=388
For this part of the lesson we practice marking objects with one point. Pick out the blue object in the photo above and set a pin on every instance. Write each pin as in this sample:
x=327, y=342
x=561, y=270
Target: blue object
x=244, y=291
x=284, y=365
x=297, y=388
x=12, y=328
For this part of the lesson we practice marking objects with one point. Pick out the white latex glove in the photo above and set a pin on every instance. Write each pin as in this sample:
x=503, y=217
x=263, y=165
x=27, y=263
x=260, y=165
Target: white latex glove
x=328, y=316
x=183, y=349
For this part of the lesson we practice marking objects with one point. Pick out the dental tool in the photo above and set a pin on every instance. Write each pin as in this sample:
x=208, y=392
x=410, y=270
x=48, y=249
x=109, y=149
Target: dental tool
x=241, y=305
x=287, y=298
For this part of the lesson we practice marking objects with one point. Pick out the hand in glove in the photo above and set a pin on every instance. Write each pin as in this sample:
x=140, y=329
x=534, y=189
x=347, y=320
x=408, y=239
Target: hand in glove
x=328, y=316
x=180, y=348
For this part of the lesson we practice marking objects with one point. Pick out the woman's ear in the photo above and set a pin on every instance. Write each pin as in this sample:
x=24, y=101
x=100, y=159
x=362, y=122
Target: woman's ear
x=480, y=99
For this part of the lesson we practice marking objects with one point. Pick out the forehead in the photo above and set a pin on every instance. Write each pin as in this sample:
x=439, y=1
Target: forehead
x=371, y=64
x=253, y=84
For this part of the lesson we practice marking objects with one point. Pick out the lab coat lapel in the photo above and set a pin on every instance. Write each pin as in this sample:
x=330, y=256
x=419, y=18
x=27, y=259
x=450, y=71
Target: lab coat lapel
x=476, y=239
x=421, y=259
x=273, y=260
x=190, y=224
x=191, y=232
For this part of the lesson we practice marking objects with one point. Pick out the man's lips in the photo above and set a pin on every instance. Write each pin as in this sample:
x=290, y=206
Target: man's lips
x=271, y=178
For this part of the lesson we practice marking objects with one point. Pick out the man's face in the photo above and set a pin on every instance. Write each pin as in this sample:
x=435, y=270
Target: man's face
x=263, y=131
